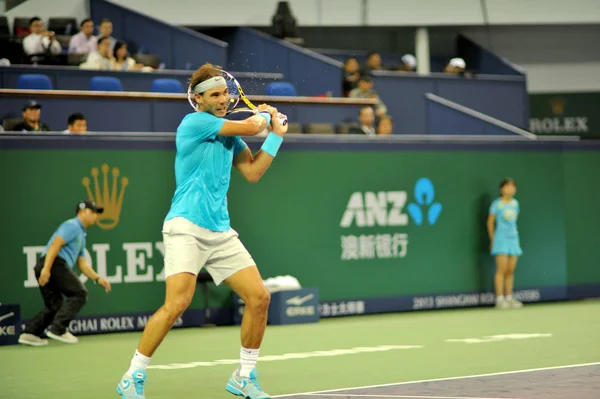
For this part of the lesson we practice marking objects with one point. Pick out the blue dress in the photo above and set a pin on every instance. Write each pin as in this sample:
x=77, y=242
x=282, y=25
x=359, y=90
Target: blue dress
x=506, y=236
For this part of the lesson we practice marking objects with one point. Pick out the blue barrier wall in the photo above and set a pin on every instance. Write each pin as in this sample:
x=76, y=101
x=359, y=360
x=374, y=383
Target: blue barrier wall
x=139, y=114
x=310, y=72
x=444, y=120
x=481, y=60
x=72, y=78
x=179, y=48
x=502, y=97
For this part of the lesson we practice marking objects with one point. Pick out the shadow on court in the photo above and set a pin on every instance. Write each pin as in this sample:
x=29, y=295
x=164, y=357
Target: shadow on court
x=578, y=382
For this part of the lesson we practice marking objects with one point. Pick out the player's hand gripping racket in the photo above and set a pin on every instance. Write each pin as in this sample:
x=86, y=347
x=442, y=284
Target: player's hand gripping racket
x=235, y=93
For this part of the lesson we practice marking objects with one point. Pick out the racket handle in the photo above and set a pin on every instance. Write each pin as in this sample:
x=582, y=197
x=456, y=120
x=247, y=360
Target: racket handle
x=282, y=119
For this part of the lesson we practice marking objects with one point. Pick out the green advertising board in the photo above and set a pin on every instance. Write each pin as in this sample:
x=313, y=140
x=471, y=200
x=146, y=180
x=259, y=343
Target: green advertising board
x=377, y=228
x=565, y=114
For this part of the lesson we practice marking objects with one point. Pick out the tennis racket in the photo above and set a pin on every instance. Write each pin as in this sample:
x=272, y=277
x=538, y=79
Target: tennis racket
x=235, y=94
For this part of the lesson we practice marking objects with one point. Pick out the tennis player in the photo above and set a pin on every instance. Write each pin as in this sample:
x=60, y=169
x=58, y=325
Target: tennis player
x=505, y=245
x=197, y=231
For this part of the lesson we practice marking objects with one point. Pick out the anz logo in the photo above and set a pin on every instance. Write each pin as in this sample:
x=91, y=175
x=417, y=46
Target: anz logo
x=425, y=205
x=387, y=208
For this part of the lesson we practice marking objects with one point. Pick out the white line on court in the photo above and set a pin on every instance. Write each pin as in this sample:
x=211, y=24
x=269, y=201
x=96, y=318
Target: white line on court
x=290, y=356
x=345, y=395
x=439, y=379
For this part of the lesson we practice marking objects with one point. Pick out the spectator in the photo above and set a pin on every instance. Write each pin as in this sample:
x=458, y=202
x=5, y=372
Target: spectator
x=373, y=62
x=101, y=58
x=385, y=126
x=106, y=30
x=409, y=63
x=84, y=42
x=366, y=120
x=76, y=124
x=40, y=41
x=351, y=75
x=31, y=119
x=455, y=66
x=365, y=90
x=121, y=60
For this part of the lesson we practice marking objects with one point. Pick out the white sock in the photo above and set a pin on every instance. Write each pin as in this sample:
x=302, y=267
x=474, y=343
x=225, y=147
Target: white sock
x=138, y=362
x=248, y=358
x=500, y=298
x=509, y=297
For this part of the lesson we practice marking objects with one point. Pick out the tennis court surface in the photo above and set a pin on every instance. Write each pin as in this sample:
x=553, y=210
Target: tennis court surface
x=549, y=351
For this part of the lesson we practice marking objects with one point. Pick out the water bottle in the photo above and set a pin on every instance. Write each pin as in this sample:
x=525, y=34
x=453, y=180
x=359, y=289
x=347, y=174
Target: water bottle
x=68, y=28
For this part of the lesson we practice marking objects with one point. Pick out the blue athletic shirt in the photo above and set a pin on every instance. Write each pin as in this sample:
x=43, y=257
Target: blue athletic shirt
x=203, y=171
x=506, y=214
x=73, y=233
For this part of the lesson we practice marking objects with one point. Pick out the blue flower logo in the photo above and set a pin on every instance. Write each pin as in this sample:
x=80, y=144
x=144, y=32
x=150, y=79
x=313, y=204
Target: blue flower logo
x=424, y=197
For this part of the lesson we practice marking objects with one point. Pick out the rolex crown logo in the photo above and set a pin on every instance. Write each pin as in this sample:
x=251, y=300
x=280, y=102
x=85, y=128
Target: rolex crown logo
x=558, y=105
x=109, y=196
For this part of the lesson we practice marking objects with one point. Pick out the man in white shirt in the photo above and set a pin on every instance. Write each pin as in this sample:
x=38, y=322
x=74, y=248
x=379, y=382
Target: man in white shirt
x=84, y=42
x=40, y=41
x=101, y=58
x=76, y=124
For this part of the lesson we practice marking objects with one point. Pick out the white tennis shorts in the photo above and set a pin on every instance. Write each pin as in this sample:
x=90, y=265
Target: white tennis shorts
x=189, y=247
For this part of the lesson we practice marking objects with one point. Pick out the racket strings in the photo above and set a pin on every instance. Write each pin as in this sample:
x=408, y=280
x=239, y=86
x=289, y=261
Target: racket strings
x=232, y=90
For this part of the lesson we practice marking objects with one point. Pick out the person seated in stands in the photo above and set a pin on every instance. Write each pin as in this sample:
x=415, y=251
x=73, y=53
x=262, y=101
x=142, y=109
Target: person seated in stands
x=106, y=30
x=76, y=124
x=84, y=42
x=366, y=121
x=455, y=66
x=40, y=41
x=385, y=126
x=122, y=61
x=364, y=89
x=373, y=62
x=32, y=111
x=409, y=63
x=351, y=75
x=102, y=58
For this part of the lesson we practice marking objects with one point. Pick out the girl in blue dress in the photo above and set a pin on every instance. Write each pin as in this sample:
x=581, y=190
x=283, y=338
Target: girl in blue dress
x=505, y=245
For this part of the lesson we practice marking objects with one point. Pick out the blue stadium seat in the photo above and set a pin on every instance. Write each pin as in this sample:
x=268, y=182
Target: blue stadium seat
x=281, y=89
x=34, y=81
x=167, y=86
x=105, y=83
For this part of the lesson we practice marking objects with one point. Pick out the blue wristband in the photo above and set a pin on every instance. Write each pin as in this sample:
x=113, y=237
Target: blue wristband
x=271, y=144
x=266, y=115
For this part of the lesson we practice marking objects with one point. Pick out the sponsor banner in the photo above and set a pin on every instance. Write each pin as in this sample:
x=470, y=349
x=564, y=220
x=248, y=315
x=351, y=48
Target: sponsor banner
x=436, y=301
x=127, y=322
x=288, y=307
x=10, y=324
x=565, y=114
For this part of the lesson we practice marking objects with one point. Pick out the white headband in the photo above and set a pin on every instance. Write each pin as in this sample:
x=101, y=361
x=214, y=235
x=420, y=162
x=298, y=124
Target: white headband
x=208, y=84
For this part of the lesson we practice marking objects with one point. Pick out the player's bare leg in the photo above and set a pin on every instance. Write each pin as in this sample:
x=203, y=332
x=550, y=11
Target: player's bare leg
x=510, y=280
x=180, y=291
x=248, y=284
x=499, y=279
